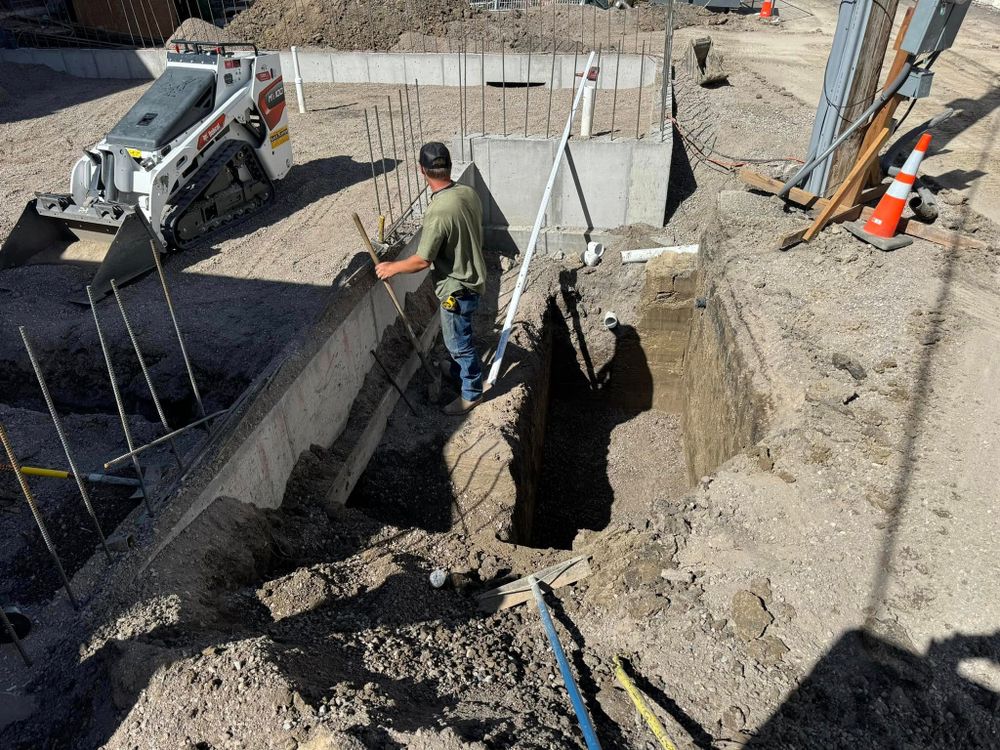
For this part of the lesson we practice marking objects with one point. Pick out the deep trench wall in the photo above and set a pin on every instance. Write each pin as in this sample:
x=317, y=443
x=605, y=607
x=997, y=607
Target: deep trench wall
x=667, y=307
x=723, y=414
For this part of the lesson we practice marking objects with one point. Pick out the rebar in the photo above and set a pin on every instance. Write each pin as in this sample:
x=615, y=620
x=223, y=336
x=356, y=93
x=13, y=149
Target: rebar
x=118, y=398
x=26, y=491
x=406, y=150
x=482, y=80
x=385, y=168
x=582, y=31
x=527, y=87
x=63, y=441
x=461, y=110
x=395, y=151
x=503, y=81
x=552, y=83
x=145, y=370
x=413, y=144
x=572, y=88
x=668, y=41
x=133, y=452
x=638, y=109
x=594, y=13
x=12, y=634
x=614, y=99
x=371, y=156
x=465, y=74
x=177, y=328
x=597, y=81
x=420, y=115
x=637, y=12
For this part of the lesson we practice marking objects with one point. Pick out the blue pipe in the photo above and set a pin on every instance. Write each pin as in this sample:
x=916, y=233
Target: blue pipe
x=589, y=736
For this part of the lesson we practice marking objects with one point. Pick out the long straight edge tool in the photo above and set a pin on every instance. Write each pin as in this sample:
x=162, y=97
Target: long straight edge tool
x=589, y=736
x=529, y=252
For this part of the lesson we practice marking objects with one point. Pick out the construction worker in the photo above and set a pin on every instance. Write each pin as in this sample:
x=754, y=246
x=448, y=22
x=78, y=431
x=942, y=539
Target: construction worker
x=451, y=245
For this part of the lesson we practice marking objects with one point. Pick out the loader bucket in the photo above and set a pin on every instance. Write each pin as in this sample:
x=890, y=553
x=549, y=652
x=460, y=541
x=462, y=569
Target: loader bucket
x=54, y=230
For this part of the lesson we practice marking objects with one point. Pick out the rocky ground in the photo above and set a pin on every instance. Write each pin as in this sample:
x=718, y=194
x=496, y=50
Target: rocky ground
x=832, y=584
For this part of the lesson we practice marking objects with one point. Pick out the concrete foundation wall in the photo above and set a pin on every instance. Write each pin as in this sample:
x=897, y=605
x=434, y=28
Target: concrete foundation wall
x=601, y=184
x=325, y=66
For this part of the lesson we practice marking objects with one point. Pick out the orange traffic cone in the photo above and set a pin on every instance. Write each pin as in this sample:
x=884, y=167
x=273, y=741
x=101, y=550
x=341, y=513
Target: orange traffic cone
x=880, y=230
x=767, y=9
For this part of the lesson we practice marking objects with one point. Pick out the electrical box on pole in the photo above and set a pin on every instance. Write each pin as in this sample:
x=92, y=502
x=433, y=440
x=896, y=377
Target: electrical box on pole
x=934, y=25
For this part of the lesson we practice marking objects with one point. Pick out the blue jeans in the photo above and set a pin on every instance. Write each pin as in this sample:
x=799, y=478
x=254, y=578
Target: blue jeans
x=456, y=327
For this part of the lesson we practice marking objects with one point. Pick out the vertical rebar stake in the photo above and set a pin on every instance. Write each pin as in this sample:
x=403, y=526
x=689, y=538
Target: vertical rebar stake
x=399, y=182
x=63, y=441
x=177, y=329
x=420, y=114
x=118, y=399
x=482, y=80
x=385, y=167
x=406, y=150
x=26, y=491
x=503, y=80
x=638, y=109
x=527, y=87
x=552, y=83
x=668, y=43
x=371, y=156
x=614, y=98
x=12, y=634
x=572, y=87
x=145, y=371
x=461, y=110
x=597, y=80
x=413, y=143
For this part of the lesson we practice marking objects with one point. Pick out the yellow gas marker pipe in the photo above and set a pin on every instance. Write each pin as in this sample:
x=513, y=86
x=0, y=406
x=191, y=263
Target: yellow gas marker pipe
x=640, y=703
x=36, y=471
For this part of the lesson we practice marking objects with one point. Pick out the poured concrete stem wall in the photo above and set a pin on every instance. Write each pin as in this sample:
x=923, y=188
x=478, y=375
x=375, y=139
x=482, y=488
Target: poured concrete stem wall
x=325, y=66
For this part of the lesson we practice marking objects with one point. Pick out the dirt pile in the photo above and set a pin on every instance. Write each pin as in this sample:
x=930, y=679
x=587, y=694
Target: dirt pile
x=443, y=25
x=196, y=30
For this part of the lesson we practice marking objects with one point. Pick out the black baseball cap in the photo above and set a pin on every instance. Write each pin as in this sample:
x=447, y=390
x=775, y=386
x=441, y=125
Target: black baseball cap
x=435, y=155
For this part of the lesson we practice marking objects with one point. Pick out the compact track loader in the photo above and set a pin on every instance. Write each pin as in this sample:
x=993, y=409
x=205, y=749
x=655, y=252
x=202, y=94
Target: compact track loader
x=201, y=149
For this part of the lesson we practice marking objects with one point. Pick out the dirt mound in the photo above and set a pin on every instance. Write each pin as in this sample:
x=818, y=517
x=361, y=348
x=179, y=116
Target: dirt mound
x=194, y=29
x=444, y=25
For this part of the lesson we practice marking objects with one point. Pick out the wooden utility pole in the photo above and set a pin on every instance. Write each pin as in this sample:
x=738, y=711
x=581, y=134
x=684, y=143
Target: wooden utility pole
x=861, y=92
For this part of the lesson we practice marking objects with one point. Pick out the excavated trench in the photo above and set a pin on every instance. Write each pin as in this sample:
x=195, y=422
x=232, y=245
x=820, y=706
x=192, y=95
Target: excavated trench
x=613, y=420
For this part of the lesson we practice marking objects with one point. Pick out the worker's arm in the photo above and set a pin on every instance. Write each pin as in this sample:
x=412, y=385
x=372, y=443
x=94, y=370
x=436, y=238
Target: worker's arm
x=413, y=264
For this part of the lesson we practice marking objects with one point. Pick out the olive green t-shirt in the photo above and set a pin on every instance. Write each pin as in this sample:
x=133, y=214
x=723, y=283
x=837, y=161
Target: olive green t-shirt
x=452, y=241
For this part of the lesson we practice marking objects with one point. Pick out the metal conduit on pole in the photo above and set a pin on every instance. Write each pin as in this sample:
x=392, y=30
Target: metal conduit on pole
x=42, y=528
x=529, y=251
x=61, y=433
x=118, y=399
x=177, y=329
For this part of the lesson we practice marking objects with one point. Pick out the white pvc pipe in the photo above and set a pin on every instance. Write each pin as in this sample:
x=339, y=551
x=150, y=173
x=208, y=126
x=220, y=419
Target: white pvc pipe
x=610, y=320
x=299, y=92
x=529, y=251
x=641, y=256
x=587, y=120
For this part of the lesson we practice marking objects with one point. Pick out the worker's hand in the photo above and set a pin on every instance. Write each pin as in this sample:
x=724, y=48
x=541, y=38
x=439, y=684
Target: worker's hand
x=385, y=270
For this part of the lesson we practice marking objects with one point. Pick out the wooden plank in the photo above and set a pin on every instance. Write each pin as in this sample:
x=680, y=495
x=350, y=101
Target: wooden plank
x=943, y=237
x=802, y=197
x=857, y=172
x=519, y=591
x=794, y=238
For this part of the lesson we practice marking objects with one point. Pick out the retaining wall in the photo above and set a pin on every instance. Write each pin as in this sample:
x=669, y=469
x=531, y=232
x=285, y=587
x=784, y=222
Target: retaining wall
x=325, y=66
x=600, y=185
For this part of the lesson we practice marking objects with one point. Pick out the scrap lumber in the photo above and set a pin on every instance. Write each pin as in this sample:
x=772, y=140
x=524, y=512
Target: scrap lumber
x=854, y=176
x=519, y=591
x=798, y=196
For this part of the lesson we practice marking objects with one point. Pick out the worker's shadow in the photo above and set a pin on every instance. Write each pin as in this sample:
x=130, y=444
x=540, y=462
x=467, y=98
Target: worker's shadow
x=868, y=692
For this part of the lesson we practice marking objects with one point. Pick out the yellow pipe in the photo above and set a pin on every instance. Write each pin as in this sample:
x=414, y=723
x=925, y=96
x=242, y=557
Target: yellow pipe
x=633, y=692
x=381, y=229
x=37, y=472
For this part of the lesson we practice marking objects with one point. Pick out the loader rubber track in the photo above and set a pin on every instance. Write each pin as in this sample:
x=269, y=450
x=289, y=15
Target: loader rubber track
x=198, y=211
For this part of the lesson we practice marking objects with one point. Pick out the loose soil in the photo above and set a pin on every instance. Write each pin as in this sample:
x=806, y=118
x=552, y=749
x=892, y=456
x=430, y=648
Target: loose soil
x=831, y=584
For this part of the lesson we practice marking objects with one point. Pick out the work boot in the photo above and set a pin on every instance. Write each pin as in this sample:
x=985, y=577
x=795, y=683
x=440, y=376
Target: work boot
x=461, y=406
